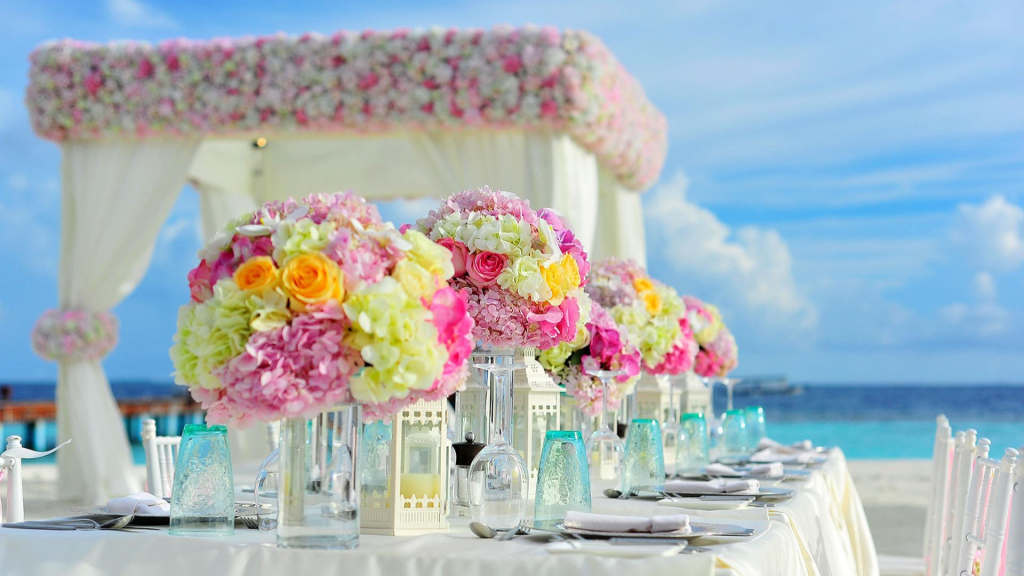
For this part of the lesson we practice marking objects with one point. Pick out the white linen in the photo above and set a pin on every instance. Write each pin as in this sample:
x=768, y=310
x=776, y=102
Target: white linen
x=115, y=196
x=139, y=504
x=606, y=550
x=714, y=486
x=821, y=531
x=618, y=523
x=785, y=456
x=771, y=470
x=620, y=218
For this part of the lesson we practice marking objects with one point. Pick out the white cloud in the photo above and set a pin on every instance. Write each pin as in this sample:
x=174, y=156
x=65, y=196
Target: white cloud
x=136, y=14
x=983, y=319
x=991, y=234
x=750, y=269
x=17, y=181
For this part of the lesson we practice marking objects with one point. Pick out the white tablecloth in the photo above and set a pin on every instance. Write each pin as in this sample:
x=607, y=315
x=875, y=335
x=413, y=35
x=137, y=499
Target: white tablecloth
x=822, y=531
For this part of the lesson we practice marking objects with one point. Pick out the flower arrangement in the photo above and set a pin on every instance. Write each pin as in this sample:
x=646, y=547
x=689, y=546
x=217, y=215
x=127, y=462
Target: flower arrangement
x=526, y=78
x=601, y=345
x=652, y=314
x=304, y=304
x=74, y=335
x=718, y=353
x=524, y=270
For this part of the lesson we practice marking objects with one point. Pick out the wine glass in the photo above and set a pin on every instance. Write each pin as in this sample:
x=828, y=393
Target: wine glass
x=605, y=449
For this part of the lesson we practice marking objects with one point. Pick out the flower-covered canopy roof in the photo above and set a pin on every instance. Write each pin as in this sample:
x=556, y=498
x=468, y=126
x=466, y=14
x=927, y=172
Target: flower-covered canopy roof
x=521, y=78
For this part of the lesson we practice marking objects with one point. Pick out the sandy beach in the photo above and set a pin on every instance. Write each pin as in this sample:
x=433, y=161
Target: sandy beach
x=894, y=493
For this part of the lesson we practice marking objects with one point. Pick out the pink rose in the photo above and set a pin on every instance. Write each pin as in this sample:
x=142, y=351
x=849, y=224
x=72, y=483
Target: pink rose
x=483, y=268
x=199, y=282
x=460, y=254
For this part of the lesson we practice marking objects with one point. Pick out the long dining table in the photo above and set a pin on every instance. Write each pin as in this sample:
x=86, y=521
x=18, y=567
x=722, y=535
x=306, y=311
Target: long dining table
x=821, y=530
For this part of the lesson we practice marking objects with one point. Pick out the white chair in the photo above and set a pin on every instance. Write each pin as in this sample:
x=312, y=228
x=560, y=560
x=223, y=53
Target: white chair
x=161, y=454
x=960, y=479
x=985, y=525
x=10, y=468
x=936, y=515
x=1015, y=536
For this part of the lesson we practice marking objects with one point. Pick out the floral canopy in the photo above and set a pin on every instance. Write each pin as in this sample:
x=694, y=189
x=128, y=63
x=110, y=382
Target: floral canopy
x=550, y=115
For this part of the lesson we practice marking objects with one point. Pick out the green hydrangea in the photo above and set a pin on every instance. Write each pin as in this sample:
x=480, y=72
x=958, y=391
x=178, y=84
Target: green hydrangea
x=300, y=237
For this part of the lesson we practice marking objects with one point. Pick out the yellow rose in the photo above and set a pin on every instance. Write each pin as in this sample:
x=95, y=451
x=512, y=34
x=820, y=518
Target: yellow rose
x=554, y=277
x=257, y=273
x=311, y=278
x=417, y=281
x=572, y=272
x=652, y=300
x=643, y=284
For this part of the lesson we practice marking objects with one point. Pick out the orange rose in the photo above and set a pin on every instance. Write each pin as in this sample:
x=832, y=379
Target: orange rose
x=311, y=278
x=643, y=284
x=652, y=300
x=572, y=271
x=256, y=273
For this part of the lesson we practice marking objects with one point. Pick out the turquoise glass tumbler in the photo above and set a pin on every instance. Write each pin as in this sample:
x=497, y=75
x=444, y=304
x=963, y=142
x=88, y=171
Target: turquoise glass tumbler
x=563, y=482
x=643, y=467
x=756, y=430
x=734, y=434
x=203, y=498
x=694, y=448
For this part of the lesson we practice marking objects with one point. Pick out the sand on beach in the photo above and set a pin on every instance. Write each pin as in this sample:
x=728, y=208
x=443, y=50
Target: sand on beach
x=894, y=493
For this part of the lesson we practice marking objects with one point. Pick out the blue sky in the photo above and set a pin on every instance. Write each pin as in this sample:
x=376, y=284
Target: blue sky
x=845, y=179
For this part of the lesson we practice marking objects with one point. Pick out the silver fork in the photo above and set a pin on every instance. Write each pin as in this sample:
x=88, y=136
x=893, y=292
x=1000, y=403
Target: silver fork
x=250, y=522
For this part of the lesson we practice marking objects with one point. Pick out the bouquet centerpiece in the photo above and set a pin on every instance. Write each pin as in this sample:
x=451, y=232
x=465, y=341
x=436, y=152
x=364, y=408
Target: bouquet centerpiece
x=718, y=354
x=651, y=313
x=600, y=346
x=524, y=270
x=306, y=304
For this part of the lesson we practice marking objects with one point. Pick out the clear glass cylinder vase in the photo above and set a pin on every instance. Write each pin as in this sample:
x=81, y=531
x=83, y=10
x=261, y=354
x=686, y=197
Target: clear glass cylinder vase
x=318, y=492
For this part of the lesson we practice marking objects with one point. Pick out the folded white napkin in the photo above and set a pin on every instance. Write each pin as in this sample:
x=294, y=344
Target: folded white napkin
x=613, y=523
x=783, y=456
x=771, y=470
x=802, y=446
x=715, y=486
x=139, y=504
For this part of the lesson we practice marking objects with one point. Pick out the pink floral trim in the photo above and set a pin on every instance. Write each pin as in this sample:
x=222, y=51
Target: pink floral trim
x=74, y=335
x=524, y=78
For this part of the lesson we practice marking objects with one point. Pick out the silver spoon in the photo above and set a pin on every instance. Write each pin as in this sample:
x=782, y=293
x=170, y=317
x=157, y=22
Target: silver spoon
x=485, y=531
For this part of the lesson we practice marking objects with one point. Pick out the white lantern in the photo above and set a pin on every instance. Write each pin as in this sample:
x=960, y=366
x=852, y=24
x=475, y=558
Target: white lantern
x=535, y=409
x=405, y=473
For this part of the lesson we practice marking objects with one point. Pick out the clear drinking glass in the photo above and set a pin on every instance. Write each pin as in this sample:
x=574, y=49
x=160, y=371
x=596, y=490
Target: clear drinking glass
x=499, y=480
x=203, y=498
x=693, y=450
x=734, y=435
x=563, y=483
x=670, y=429
x=265, y=492
x=604, y=447
x=318, y=496
x=756, y=430
x=643, y=467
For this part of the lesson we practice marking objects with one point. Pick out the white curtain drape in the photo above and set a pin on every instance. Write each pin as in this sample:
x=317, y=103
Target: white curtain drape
x=620, y=220
x=218, y=207
x=548, y=168
x=115, y=197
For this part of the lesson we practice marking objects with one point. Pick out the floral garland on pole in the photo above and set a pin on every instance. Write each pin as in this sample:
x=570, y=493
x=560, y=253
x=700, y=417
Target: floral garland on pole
x=74, y=335
x=438, y=79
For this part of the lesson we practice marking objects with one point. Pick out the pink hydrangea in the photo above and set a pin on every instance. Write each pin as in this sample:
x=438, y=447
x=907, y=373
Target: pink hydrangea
x=241, y=249
x=681, y=357
x=293, y=371
x=449, y=309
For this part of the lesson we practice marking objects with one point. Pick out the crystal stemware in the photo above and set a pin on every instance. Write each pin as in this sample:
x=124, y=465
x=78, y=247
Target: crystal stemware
x=499, y=480
x=734, y=435
x=604, y=447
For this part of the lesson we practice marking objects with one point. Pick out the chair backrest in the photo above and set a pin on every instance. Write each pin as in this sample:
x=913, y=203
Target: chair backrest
x=1015, y=536
x=10, y=468
x=960, y=479
x=161, y=455
x=997, y=513
x=972, y=520
x=935, y=526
